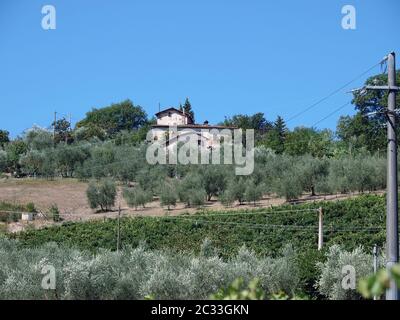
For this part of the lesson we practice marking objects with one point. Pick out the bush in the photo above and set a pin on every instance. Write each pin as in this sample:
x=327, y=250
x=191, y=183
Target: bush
x=329, y=283
x=30, y=207
x=135, y=197
x=135, y=273
x=253, y=193
x=191, y=191
x=227, y=198
x=236, y=189
x=55, y=213
x=101, y=194
x=168, y=196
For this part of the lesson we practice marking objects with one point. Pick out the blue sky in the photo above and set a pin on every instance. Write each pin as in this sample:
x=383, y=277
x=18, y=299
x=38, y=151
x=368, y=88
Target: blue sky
x=227, y=56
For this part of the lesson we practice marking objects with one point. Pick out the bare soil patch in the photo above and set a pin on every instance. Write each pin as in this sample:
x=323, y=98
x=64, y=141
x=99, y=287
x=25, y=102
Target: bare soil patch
x=70, y=197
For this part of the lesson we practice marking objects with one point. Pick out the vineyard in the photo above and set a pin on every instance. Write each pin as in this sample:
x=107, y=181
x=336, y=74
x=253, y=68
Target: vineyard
x=349, y=223
x=352, y=222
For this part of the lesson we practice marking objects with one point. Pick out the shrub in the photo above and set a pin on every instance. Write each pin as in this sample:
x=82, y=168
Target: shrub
x=197, y=198
x=253, y=193
x=101, y=194
x=329, y=283
x=227, y=198
x=236, y=189
x=168, y=196
x=131, y=273
x=30, y=207
x=135, y=197
x=55, y=213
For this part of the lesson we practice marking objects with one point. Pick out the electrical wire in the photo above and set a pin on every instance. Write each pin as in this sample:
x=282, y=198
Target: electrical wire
x=332, y=113
x=332, y=93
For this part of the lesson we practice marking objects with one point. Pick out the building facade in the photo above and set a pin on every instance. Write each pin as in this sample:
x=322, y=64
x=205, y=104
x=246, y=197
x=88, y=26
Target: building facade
x=175, y=126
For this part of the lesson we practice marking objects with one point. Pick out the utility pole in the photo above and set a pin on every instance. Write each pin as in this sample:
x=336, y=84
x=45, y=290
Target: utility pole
x=392, y=238
x=375, y=254
x=69, y=130
x=54, y=127
x=320, y=228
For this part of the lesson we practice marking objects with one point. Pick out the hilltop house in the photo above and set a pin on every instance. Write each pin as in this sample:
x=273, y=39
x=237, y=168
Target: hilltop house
x=173, y=125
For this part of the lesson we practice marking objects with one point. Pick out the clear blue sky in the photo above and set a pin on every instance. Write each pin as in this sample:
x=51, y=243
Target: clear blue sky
x=228, y=57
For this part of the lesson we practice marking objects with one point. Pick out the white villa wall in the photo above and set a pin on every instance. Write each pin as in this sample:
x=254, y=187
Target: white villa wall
x=172, y=120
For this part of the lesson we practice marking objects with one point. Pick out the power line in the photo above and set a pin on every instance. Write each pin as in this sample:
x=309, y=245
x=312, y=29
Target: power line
x=332, y=93
x=194, y=219
x=332, y=113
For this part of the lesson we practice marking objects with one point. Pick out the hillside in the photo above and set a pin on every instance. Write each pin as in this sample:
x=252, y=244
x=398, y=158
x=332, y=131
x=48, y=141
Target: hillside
x=352, y=222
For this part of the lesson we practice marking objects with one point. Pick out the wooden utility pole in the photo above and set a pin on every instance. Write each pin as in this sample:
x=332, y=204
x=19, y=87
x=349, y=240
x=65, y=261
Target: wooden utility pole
x=320, y=228
x=54, y=127
x=392, y=238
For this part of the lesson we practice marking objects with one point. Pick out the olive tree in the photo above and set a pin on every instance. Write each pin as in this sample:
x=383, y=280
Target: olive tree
x=101, y=194
x=168, y=195
x=135, y=197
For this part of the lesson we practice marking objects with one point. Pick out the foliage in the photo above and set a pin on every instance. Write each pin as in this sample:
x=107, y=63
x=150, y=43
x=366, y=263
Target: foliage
x=377, y=284
x=114, y=118
x=55, y=213
x=187, y=108
x=101, y=194
x=62, y=130
x=135, y=197
x=238, y=291
x=133, y=273
x=330, y=281
x=4, y=137
x=168, y=195
x=253, y=193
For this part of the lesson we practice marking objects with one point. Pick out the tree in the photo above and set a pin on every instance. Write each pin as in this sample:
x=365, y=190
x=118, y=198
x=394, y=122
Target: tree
x=135, y=197
x=116, y=117
x=187, y=108
x=89, y=131
x=101, y=194
x=253, y=192
x=289, y=184
x=3, y=161
x=38, y=138
x=62, y=129
x=214, y=180
x=256, y=121
x=191, y=188
x=367, y=127
x=4, y=137
x=168, y=195
x=312, y=171
x=236, y=189
x=304, y=140
x=227, y=198
x=67, y=158
x=275, y=138
x=15, y=149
